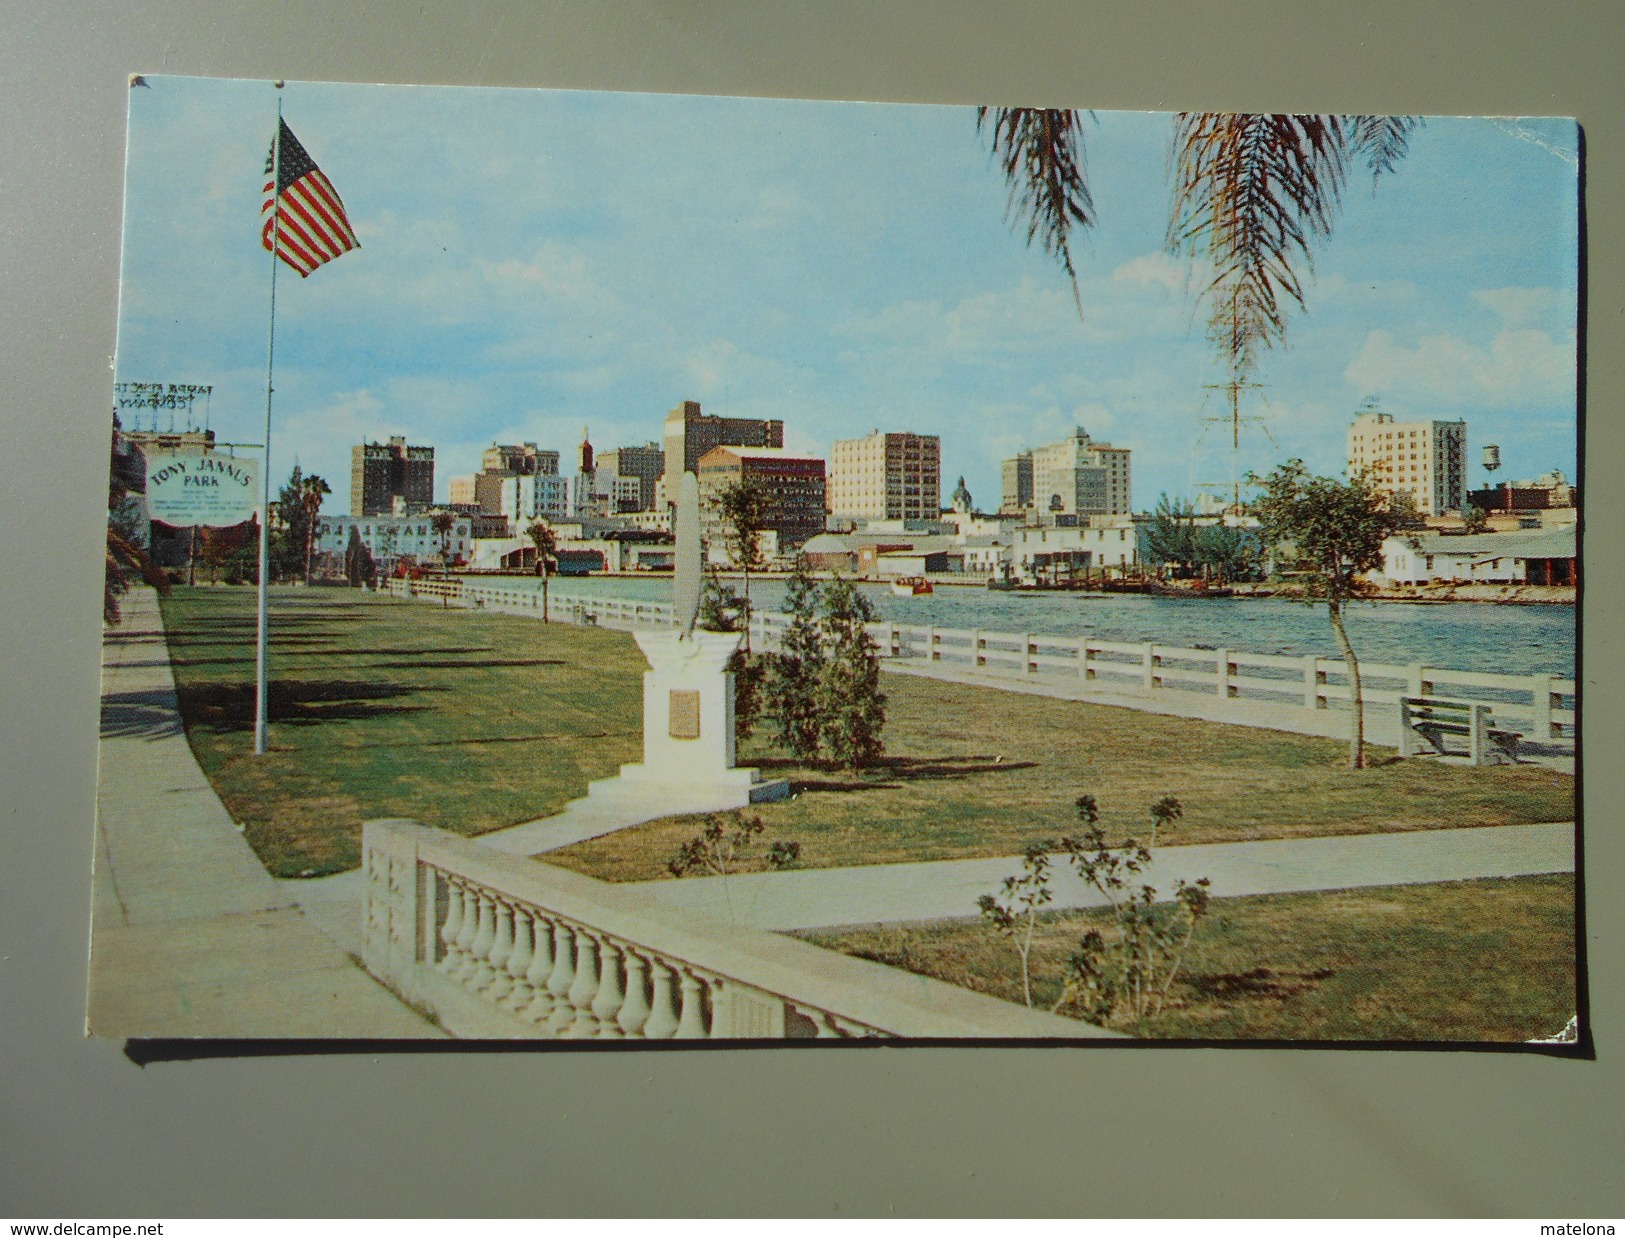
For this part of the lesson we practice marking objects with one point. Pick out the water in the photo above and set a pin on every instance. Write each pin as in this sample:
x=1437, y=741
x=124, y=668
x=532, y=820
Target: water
x=1465, y=636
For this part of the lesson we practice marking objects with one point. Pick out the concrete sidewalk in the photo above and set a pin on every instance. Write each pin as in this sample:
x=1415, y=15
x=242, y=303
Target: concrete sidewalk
x=191, y=936
x=948, y=889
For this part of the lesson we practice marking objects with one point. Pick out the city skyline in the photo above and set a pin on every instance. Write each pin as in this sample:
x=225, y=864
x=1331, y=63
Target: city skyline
x=842, y=267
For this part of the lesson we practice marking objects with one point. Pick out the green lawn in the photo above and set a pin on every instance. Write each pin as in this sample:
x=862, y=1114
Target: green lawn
x=471, y=722
x=1460, y=961
x=465, y=721
x=982, y=772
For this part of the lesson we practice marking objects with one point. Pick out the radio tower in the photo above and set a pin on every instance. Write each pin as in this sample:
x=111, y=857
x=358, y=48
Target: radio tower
x=1226, y=331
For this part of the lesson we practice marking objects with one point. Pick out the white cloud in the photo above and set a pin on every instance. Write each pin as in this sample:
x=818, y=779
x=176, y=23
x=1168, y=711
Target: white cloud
x=1338, y=287
x=1155, y=268
x=557, y=270
x=1523, y=307
x=1516, y=367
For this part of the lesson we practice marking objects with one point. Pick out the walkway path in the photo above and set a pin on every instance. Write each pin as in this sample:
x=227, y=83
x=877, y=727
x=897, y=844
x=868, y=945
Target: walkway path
x=947, y=889
x=191, y=936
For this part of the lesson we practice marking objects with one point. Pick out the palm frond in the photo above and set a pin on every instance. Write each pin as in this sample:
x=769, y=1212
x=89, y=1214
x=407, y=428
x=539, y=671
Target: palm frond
x=1041, y=153
x=1383, y=140
x=1253, y=194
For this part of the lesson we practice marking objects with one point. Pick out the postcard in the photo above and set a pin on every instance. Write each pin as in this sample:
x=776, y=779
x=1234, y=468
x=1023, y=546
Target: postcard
x=639, y=567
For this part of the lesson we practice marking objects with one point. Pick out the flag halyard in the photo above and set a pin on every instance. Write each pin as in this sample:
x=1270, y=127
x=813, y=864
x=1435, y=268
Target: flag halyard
x=302, y=217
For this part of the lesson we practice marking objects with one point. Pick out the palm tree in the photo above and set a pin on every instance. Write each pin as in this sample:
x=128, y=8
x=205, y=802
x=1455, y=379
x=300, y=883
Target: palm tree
x=547, y=546
x=311, y=491
x=444, y=523
x=1252, y=195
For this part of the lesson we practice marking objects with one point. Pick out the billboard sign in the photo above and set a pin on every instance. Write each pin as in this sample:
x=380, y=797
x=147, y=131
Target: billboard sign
x=202, y=488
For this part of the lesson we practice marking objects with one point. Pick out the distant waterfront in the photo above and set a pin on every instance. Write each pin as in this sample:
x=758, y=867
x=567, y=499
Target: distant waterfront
x=1459, y=635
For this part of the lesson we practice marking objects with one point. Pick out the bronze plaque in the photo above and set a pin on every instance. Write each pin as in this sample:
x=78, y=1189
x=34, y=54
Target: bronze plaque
x=685, y=714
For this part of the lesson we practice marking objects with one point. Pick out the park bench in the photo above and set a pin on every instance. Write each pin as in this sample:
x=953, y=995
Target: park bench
x=1432, y=718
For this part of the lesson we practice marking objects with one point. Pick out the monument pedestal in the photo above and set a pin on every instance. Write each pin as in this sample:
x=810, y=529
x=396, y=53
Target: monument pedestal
x=688, y=731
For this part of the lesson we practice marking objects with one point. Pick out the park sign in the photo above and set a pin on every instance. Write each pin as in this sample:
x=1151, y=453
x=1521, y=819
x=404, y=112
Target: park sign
x=201, y=488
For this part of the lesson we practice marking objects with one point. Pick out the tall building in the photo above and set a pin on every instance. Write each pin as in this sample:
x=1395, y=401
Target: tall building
x=1017, y=493
x=646, y=463
x=1424, y=459
x=519, y=459
x=500, y=463
x=690, y=434
x=384, y=476
x=1069, y=481
x=524, y=498
x=893, y=476
x=794, y=486
x=463, y=491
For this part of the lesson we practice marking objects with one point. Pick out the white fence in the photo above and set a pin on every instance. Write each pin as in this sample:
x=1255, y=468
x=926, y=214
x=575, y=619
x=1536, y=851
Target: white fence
x=499, y=946
x=1543, y=706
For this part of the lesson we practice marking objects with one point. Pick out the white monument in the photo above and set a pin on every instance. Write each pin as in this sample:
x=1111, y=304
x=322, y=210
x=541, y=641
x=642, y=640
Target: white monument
x=688, y=700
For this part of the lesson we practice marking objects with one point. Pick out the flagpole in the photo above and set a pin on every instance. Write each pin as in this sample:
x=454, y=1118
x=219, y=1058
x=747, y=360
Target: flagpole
x=261, y=650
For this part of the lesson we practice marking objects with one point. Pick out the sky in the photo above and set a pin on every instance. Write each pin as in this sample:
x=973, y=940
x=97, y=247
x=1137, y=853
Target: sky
x=533, y=263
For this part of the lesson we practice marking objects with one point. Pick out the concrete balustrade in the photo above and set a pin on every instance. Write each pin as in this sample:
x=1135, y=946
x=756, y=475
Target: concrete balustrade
x=497, y=946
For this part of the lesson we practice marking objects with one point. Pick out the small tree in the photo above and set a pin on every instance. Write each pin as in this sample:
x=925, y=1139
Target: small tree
x=743, y=508
x=1132, y=973
x=1338, y=528
x=721, y=610
x=287, y=548
x=242, y=562
x=1475, y=519
x=1129, y=972
x=851, y=707
x=359, y=568
x=1170, y=538
x=725, y=843
x=1226, y=551
x=1013, y=912
x=547, y=546
x=795, y=670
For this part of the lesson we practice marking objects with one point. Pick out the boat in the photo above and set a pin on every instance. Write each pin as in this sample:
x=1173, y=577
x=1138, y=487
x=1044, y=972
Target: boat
x=1003, y=583
x=912, y=586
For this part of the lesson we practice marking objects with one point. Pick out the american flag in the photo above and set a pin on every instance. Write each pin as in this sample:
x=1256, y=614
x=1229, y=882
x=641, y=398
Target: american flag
x=309, y=223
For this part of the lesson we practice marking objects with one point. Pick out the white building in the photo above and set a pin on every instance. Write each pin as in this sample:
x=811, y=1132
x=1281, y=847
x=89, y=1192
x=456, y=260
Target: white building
x=1079, y=477
x=618, y=491
x=891, y=476
x=984, y=555
x=969, y=524
x=1424, y=459
x=1546, y=557
x=535, y=496
x=1105, y=545
x=499, y=553
x=657, y=520
x=389, y=538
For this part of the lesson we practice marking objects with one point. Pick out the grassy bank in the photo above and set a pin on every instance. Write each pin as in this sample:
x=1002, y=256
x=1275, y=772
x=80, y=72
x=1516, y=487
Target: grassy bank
x=472, y=721
x=982, y=772
x=1459, y=961
x=469, y=722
